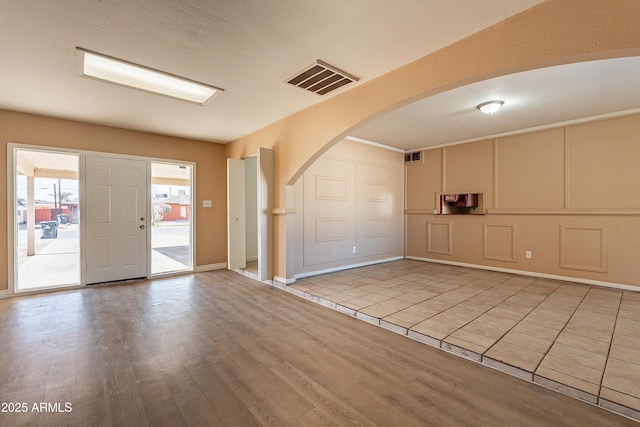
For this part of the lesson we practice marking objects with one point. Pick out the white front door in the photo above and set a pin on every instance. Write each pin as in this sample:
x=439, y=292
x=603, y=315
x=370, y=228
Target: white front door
x=116, y=219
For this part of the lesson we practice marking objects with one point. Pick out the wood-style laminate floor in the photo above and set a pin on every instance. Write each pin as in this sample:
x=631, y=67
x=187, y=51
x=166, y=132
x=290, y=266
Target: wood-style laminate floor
x=220, y=349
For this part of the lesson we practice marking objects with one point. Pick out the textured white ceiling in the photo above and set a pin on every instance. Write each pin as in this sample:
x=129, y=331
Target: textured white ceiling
x=247, y=47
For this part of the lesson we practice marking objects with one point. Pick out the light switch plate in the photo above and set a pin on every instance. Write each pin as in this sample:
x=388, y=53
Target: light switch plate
x=207, y=203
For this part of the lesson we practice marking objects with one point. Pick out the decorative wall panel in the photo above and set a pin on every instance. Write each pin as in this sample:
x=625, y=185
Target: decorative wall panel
x=376, y=227
x=583, y=248
x=330, y=188
x=423, y=180
x=331, y=229
x=530, y=170
x=440, y=238
x=376, y=191
x=499, y=242
x=603, y=170
x=462, y=161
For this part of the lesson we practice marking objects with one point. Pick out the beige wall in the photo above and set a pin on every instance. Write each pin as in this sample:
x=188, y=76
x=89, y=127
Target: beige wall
x=350, y=197
x=209, y=158
x=569, y=195
x=554, y=32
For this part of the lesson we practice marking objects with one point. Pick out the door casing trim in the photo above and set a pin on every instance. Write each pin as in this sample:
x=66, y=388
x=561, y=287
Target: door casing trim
x=12, y=147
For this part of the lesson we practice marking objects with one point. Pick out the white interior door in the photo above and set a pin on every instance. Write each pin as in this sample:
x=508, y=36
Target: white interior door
x=236, y=239
x=116, y=219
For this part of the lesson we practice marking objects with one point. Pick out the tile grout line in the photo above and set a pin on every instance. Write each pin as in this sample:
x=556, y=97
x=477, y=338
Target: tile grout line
x=613, y=332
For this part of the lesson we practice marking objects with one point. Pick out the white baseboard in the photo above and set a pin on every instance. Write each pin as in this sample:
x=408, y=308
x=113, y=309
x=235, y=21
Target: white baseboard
x=284, y=281
x=211, y=267
x=4, y=294
x=531, y=273
x=345, y=267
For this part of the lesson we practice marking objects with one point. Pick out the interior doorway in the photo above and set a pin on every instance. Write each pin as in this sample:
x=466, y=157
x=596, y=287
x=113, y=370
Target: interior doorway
x=171, y=217
x=46, y=224
x=249, y=215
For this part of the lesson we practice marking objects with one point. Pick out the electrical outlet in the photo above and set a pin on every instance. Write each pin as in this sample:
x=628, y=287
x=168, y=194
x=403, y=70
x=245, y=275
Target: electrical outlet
x=528, y=254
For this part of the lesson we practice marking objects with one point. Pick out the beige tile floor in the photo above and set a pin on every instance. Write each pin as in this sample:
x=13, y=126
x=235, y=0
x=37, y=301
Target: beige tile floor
x=578, y=339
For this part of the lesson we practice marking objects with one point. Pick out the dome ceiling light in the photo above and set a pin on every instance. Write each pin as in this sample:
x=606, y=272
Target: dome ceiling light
x=490, y=107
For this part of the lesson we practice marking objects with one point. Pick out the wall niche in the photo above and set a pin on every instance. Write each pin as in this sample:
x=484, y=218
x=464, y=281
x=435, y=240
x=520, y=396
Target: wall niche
x=460, y=204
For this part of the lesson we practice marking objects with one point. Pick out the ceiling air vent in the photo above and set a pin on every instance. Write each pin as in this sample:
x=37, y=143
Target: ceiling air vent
x=321, y=78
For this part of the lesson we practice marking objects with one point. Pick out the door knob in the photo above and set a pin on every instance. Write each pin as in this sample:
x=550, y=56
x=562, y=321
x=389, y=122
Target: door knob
x=142, y=227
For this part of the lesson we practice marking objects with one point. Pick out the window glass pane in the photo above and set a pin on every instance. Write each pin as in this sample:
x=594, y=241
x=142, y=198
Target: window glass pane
x=171, y=225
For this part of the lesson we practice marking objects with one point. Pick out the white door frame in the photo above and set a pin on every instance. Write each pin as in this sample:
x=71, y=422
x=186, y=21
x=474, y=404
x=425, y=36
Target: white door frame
x=12, y=213
x=236, y=218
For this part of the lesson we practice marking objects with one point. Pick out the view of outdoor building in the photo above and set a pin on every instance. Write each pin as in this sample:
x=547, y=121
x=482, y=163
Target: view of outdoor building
x=171, y=218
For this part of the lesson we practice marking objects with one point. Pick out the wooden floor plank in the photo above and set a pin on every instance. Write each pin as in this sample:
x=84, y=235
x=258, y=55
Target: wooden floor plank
x=269, y=413
x=331, y=406
x=229, y=408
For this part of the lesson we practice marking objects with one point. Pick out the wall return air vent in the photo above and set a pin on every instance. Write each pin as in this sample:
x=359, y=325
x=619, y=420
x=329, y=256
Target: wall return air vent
x=414, y=157
x=321, y=78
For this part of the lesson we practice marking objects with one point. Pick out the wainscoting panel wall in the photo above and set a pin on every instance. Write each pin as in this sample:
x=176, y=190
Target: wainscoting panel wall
x=376, y=216
x=349, y=205
x=329, y=193
x=567, y=195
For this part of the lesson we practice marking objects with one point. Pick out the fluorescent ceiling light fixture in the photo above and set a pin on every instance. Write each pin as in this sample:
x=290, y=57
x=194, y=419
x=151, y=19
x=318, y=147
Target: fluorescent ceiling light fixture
x=490, y=107
x=100, y=67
